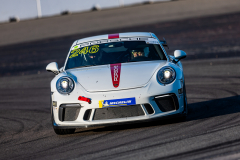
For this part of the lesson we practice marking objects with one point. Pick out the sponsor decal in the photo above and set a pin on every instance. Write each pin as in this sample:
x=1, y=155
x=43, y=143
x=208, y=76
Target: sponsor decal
x=152, y=41
x=115, y=72
x=111, y=36
x=76, y=47
x=117, y=102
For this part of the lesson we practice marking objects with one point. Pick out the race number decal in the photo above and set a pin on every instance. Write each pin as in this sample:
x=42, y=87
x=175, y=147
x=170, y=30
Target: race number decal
x=77, y=51
x=74, y=53
x=94, y=49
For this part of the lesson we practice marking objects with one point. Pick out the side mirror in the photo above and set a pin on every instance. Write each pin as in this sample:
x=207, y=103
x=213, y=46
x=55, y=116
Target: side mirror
x=179, y=54
x=53, y=67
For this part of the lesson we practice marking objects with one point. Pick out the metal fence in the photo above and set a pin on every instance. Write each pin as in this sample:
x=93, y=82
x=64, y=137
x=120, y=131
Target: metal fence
x=16, y=10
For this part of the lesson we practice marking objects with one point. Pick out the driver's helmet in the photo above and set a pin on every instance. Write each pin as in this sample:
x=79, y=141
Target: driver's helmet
x=93, y=58
x=137, y=53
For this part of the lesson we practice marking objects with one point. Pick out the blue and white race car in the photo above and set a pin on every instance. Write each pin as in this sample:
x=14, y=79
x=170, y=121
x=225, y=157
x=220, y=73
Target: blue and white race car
x=116, y=78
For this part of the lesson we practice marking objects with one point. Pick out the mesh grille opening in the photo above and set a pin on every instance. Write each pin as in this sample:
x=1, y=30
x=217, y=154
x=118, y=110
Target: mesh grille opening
x=167, y=103
x=118, y=112
x=87, y=114
x=68, y=112
x=149, y=108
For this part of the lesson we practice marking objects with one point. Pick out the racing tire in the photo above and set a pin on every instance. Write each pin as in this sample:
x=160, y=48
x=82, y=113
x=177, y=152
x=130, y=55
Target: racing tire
x=64, y=131
x=183, y=117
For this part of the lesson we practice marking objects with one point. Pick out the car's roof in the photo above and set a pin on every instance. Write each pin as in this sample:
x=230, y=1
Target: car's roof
x=116, y=35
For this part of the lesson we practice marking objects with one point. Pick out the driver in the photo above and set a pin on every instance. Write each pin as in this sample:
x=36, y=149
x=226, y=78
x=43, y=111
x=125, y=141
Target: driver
x=137, y=53
x=92, y=59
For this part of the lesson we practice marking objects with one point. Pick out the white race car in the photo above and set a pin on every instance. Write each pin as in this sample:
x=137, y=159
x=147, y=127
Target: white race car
x=116, y=78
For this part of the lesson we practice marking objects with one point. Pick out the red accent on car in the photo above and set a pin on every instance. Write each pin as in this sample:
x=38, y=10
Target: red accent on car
x=80, y=98
x=111, y=36
x=115, y=72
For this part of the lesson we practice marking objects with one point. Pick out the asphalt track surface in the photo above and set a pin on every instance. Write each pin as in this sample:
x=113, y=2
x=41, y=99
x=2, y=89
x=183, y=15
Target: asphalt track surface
x=59, y=26
x=211, y=131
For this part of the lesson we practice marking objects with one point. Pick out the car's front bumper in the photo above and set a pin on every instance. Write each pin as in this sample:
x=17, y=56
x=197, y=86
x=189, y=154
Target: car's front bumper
x=85, y=116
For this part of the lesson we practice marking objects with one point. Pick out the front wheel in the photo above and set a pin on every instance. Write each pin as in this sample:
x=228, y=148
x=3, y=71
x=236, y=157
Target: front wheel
x=64, y=131
x=185, y=112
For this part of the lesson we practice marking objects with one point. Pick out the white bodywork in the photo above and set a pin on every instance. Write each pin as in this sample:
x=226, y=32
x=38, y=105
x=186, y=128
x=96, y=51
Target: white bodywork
x=138, y=79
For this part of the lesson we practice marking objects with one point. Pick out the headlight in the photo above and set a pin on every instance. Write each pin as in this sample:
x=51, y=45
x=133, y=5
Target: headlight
x=166, y=75
x=65, y=85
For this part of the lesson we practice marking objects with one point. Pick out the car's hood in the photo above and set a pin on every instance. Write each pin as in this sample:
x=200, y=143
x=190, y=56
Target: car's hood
x=101, y=78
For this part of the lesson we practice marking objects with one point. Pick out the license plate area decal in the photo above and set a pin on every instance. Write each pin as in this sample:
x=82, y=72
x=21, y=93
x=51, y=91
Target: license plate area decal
x=117, y=102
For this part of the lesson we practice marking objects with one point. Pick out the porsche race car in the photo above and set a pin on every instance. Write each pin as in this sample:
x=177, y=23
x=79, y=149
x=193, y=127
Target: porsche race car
x=116, y=78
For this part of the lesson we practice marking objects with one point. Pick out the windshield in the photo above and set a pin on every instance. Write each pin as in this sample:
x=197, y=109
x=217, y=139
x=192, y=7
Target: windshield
x=114, y=52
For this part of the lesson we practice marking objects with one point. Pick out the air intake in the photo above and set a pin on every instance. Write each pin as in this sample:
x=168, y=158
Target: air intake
x=118, y=112
x=69, y=112
x=167, y=102
x=149, y=108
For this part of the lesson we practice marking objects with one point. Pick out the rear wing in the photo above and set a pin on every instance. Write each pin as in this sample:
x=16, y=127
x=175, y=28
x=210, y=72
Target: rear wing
x=164, y=43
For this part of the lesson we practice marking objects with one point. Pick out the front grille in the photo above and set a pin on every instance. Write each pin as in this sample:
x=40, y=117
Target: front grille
x=118, y=112
x=167, y=102
x=69, y=112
